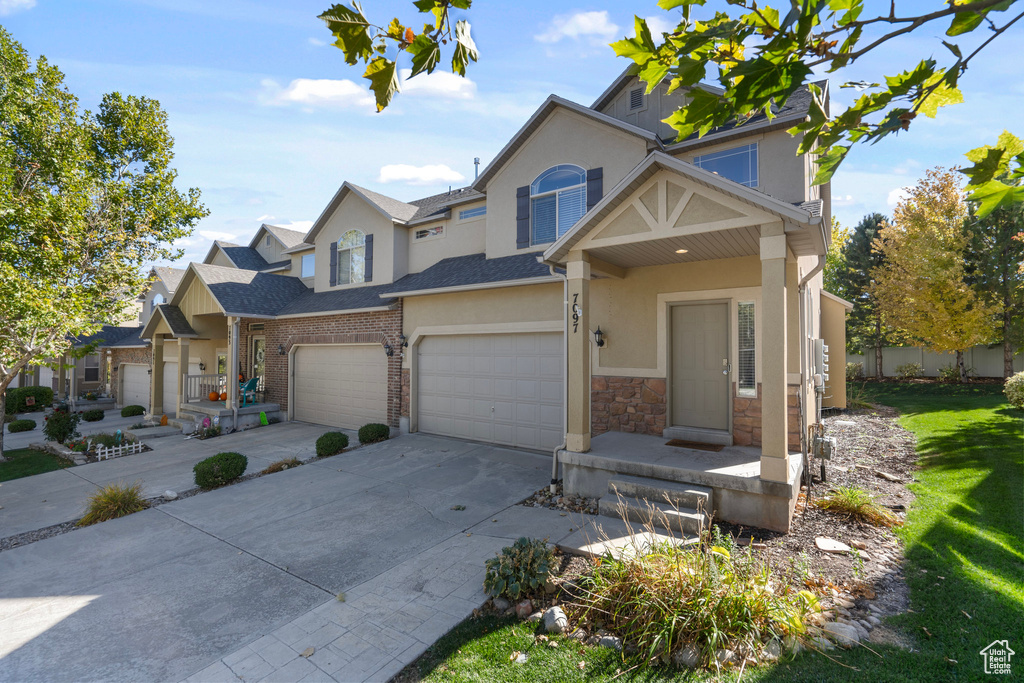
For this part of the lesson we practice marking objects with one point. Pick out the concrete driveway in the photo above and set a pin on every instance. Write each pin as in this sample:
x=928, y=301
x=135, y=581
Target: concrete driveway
x=235, y=583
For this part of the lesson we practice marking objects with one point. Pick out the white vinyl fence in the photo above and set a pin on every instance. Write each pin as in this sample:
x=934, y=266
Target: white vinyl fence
x=987, y=361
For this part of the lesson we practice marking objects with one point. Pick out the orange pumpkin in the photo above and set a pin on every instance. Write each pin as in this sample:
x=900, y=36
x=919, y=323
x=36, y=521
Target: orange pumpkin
x=223, y=395
x=213, y=395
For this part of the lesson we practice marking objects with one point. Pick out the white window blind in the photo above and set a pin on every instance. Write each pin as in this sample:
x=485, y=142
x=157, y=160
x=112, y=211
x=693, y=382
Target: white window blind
x=746, y=363
x=544, y=218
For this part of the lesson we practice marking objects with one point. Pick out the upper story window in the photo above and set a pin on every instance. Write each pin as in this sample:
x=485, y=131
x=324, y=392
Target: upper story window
x=308, y=261
x=558, y=198
x=738, y=164
x=472, y=213
x=157, y=300
x=424, y=233
x=351, y=257
x=268, y=240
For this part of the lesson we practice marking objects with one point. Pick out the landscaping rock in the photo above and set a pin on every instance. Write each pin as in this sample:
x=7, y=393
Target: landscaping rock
x=535, y=617
x=686, y=657
x=845, y=635
x=726, y=657
x=873, y=620
x=524, y=608
x=773, y=650
x=170, y=495
x=500, y=604
x=578, y=634
x=859, y=545
x=613, y=642
x=821, y=643
x=830, y=545
x=555, y=620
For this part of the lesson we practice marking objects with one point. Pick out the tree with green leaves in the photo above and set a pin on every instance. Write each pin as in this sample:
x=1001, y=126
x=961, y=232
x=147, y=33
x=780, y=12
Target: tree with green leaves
x=87, y=200
x=760, y=58
x=834, y=273
x=866, y=326
x=995, y=268
x=921, y=285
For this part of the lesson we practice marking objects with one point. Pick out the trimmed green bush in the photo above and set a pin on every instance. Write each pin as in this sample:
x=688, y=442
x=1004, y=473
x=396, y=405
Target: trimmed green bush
x=219, y=469
x=331, y=443
x=132, y=411
x=21, y=426
x=16, y=399
x=94, y=415
x=1014, y=390
x=909, y=371
x=61, y=425
x=373, y=433
x=519, y=569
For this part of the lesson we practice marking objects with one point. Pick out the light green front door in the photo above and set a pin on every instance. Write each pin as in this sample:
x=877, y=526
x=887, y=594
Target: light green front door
x=700, y=366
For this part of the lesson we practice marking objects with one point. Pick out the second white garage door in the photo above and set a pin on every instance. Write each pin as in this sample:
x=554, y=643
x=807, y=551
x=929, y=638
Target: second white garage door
x=134, y=385
x=500, y=388
x=341, y=386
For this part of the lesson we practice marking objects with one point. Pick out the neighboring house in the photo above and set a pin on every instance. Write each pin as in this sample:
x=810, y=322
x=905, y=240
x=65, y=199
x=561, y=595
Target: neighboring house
x=475, y=313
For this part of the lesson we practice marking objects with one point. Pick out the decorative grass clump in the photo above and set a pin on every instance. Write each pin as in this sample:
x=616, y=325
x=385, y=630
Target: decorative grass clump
x=706, y=597
x=132, y=411
x=331, y=443
x=281, y=465
x=113, y=501
x=859, y=504
x=21, y=426
x=374, y=432
x=93, y=415
x=219, y=469
x=519, y=569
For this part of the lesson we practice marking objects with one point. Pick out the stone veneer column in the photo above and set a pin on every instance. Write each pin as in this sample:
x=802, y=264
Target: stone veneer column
x=774, y=399
x=578, y=425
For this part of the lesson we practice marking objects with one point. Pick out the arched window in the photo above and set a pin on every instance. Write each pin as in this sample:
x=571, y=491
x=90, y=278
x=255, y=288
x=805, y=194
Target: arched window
x=157, y=300
x=558, y=198
x=352, y=257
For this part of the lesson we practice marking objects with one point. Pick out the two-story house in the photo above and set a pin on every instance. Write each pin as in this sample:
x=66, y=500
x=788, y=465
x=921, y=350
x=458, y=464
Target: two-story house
x=597, y=279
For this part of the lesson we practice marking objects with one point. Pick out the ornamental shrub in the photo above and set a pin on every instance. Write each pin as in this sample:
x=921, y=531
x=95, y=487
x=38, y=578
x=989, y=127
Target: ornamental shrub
x=219, y=469
x=43, y=398
x=61, y=425
x=519, y=569
x=854, y=371
x=331, y=443
x=132, y=411
x=1014, y=390
x=282, y=465
x=373, y=432
x=909, y=370
x=21, y=426
x=93, y=415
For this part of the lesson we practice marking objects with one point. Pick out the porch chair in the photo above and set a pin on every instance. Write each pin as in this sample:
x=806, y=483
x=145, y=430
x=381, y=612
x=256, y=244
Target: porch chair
x=247, y=392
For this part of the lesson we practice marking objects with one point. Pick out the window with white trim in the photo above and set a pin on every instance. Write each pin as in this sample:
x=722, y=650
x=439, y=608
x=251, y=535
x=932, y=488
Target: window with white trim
x=746, y=363
x=308, y=265
x=738, y=164
x=434, y=231
x=473, y=213
x=92, y=368
x=157, y=300
x=558, y=198
x=352, y=257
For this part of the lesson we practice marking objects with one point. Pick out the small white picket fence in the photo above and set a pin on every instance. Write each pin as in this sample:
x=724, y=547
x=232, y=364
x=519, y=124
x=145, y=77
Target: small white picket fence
x=104, y=452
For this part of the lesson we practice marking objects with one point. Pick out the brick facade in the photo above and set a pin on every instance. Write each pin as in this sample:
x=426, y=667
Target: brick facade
x=746, y=418
x=351, y=328
x=126, y=355
x=627, y=404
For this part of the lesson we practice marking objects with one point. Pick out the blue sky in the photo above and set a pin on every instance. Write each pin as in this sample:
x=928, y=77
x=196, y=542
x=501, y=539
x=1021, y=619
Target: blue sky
x=268, y=120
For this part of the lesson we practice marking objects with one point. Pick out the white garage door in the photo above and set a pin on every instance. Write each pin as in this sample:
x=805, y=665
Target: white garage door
x=134, y=385
x=171, y=384
x=500, y=388
x=341, y=385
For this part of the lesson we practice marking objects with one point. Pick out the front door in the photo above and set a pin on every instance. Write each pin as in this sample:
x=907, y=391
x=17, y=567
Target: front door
x=700, y=366
x=258, y=355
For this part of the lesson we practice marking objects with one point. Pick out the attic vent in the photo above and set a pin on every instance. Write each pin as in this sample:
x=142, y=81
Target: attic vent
x=636, y=98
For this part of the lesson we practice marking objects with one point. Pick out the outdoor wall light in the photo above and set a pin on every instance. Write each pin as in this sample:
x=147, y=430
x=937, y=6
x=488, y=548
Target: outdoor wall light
x=202, y=366
x=280, y=349
x=599, y=337
x=388, y=351
x=682, y=251
x=405, y=340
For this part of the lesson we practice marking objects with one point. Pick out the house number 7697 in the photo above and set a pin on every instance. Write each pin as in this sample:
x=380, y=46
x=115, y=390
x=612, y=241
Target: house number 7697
x=576, y=313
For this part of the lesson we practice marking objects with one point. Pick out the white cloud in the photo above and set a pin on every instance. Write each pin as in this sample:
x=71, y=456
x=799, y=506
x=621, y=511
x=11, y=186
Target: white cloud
x=216, y=235
x=441, y=84
x=658, y=25
x=897, y=195
x=840, y=200
x=12, y=6
x=298, y=226
x=419, y=175
x=316, y=42
x=264, y=218
x=595, y=26
x=317, y=92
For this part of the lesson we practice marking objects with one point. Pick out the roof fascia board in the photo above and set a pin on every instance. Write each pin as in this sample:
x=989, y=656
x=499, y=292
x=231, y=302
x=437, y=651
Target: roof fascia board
x=340, y=311
x=473, y=287
x=335, y=204
x=298, y=248
x=256, y=238
x=249, y=315
x=838, y=299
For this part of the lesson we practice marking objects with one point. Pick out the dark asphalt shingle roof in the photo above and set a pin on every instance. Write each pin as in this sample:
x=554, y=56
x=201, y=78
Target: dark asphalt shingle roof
x=248, y=292
x=289, y=238
x=278, y=264
x=176, y=320
x=437, y=205
x=473, y=270
x=108, y=335
x=339, y=300
x=243, y=257
x=813, y=207
x=132, y=339
x=171, y=277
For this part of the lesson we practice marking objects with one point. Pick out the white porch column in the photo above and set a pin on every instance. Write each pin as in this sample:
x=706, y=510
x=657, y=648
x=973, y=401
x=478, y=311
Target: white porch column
x=774, y=351
x=578, y=424
x=182, y=374
x=73, y=391
x=232, y=362
x=156, y=378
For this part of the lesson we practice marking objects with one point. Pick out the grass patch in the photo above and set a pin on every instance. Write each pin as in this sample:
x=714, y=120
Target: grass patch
x=281, y=465
x=858, y=504
x=24, y=462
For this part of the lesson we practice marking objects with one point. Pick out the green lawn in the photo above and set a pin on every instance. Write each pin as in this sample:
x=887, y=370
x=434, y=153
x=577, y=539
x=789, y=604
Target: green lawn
x=966, y=526
x=24, y=462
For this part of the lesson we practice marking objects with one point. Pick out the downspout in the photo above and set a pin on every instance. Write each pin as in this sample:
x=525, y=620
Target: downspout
x=235, y=329
x=565, y=377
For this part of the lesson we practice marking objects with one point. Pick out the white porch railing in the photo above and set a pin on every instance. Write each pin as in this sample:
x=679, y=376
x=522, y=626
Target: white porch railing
x=198, y=387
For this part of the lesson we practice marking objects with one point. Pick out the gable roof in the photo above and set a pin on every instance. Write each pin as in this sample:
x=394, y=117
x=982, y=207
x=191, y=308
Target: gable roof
x=247, y=292
x=388, y=207
x=475, y=269
x=287, y=238
x=313, y=303
x=108, y=335
x=171, y=277
x=552, y=103
x=176, y=322
x=439, y=206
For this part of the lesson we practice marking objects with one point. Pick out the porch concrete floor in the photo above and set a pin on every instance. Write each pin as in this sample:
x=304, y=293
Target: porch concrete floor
x=734, y=461
x=208, y=407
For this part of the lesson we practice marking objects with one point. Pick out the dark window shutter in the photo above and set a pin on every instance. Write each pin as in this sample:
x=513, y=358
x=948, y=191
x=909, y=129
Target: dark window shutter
x=368, y=259
x=334, y=264
x=595, y=186
x=523, y=217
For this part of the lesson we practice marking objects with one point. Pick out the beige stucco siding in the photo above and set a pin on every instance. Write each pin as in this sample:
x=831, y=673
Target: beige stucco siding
x=833, y=331
x=296, y=269
x=460, y=238
x=355, y=214
x=564, y=138
x=657, y=106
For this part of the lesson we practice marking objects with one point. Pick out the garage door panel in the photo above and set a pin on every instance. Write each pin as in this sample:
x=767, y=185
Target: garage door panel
x=340, y=385
x=135, y=385
x=505, y=389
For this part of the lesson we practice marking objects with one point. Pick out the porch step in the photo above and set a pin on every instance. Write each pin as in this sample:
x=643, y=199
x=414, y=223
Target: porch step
x=721, y=437
x=186, y=423
x=147, y=433
x=676, y=493
x=661, y=515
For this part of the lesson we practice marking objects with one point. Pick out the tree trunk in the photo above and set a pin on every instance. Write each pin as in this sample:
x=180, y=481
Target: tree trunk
x=3, y=411
x=878, y=347
x=961, y=368
x=1007, y=346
